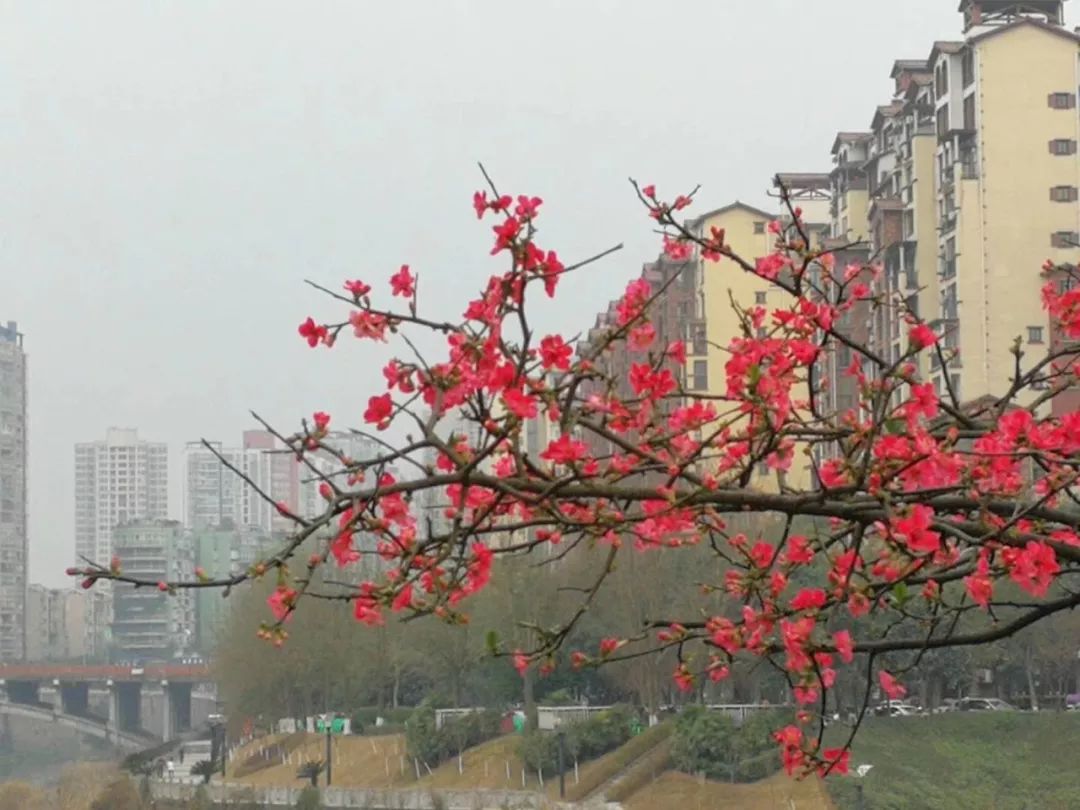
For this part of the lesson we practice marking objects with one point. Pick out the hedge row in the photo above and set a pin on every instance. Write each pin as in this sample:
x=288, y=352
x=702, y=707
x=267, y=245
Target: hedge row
x=432, y=746
x=583, y=740
x=710, y=743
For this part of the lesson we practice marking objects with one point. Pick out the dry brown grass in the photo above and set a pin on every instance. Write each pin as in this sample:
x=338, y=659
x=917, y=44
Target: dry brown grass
x=677, y=791
x=358, y=761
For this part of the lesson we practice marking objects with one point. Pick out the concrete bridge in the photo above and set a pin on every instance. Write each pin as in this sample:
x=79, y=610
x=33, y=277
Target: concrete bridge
x=91, y=726
x=168, y=688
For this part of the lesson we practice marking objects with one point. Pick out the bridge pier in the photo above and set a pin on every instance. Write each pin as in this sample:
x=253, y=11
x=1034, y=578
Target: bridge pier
x=75, y=698
x=125, y=705
x=175, y=709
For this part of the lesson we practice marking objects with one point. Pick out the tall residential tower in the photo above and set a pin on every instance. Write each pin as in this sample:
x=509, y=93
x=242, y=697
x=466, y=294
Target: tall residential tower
x=13, y=460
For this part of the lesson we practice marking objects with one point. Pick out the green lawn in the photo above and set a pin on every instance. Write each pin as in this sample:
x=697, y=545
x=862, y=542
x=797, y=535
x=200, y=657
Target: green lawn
x=968, y=761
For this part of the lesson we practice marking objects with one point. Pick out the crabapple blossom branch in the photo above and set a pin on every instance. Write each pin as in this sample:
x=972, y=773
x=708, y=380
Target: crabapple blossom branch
x=923, y=512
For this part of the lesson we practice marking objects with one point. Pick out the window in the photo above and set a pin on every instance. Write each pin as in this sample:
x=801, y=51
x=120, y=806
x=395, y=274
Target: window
x=1064, y=194
x=967, y=67
x=1062, y=146
x=1061, y=101
x=701, y=375
x=941, y=83
x=1035, y=334
x=762, y=333
x=969, y=112
x=699, y=344
x=759, y=297
x=759, y=227
x=943, y=121
x=1064, y=239
x=954, y=381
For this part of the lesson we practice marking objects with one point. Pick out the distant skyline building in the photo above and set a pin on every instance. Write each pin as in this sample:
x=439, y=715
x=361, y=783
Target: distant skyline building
x=148, y=624
x=14, y=551
x=119, y=479
x=221, y=552
x=215, y=496
x=55, y=623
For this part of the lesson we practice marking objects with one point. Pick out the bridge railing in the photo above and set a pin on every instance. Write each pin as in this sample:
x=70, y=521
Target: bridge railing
x=335, y=798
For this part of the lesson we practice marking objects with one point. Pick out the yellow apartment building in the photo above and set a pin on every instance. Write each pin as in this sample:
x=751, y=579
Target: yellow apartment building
x=718, y=283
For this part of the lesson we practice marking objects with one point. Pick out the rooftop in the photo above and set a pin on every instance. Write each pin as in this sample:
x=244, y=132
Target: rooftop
x=908, y=65
x=850, y=137
x=794, y=180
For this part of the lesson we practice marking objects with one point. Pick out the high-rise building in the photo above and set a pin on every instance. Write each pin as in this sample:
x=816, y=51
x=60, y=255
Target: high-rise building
x=215, y=495
x=117, y=480
x=963, y=185
x=221, y=551
x=55, y=623
x=13, y=510
x=147, y=623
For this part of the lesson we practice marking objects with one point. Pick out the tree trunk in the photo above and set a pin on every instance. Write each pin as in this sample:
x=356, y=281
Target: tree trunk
x=531, y=719
x=1029, y=666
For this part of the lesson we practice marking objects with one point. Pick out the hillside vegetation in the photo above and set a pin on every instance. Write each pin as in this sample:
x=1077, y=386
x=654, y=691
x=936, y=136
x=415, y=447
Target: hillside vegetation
x=990, y=761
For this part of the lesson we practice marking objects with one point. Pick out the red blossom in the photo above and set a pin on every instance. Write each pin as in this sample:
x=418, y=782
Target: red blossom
x=564, y=450
x=554, y=353
x=357, y=289
x=922, y=336
x=844, y=646
x=403, y=282
x=890, y=686
x=379, y=411
x=312, y=332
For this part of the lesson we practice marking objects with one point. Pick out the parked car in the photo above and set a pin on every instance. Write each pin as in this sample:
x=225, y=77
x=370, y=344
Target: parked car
x=947, y=705
x=977, y=704
x=896, y=708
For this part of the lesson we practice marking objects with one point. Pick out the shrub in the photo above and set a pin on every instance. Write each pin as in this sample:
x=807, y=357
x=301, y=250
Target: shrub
x=709, y=742
x=311, y=771
x=704, y=743
x=204, y=768
x=309, y=800
x=585, y=740
x=432, y=746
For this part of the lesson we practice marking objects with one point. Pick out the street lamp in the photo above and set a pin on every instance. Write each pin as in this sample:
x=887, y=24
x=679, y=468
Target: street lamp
x=328, y=723
x=860, y=773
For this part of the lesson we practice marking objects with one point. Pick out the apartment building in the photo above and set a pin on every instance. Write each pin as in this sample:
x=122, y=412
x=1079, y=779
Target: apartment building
x=964, y=184
x=13, y=505
x=718, y=284
x=221, y=551
x=118, y=479
x=55, y=623
x=696, y=307
x=148, y=624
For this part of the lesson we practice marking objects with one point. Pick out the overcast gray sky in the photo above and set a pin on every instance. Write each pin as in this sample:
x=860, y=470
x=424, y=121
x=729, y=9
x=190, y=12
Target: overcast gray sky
x=172, y=171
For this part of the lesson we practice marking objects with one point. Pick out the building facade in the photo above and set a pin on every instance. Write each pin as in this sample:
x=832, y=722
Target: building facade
x=963, y=185
x=119, y=479
x=149, y=624
x=55, y=623
x=220, y=552
x=14, y=551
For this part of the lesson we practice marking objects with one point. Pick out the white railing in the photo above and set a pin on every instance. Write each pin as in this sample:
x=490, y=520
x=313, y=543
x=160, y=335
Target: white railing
x=442, y=715
x=334, y=798
x=550, y=718
x=740, y=711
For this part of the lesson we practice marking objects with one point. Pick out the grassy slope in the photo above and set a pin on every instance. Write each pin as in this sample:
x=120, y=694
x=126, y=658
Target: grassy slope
x=677, y=791
x=987, y=761
x=358, y=762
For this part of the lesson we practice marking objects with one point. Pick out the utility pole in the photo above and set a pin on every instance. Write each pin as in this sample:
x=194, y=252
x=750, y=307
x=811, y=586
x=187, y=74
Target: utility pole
x=329, y=756
x=561, y=736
